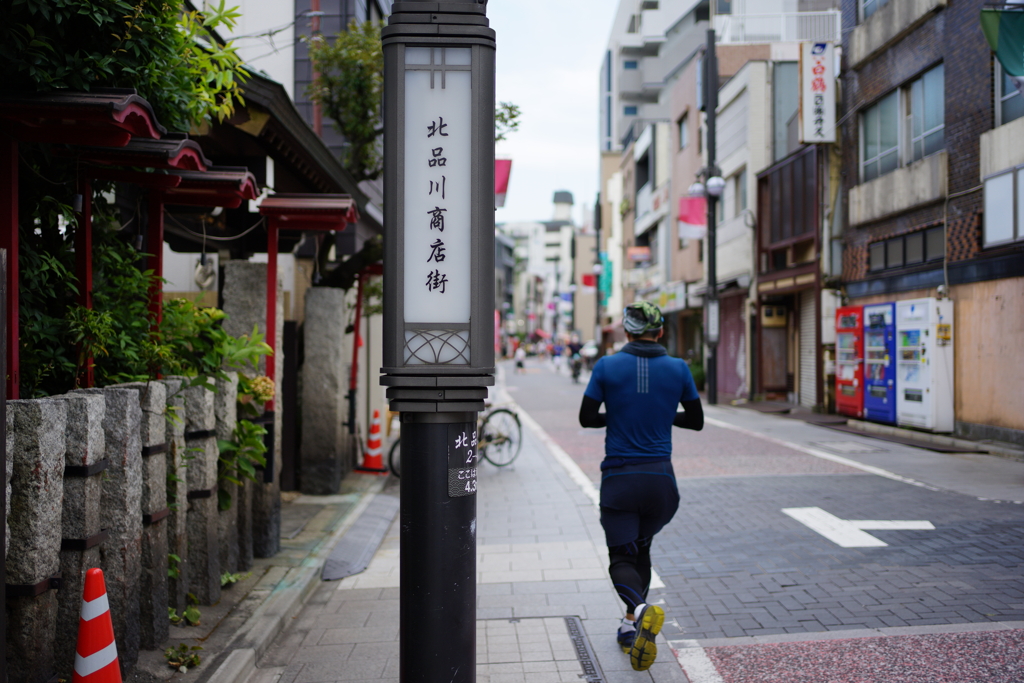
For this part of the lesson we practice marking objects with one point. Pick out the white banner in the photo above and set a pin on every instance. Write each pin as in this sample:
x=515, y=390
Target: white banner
x=817, y=93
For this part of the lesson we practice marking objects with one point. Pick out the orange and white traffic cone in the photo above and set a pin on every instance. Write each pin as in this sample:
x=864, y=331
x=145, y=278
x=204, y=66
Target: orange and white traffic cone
x=96, y=652
x=373, y=459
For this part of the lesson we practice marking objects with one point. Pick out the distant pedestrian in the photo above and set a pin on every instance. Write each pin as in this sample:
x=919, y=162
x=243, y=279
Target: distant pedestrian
x=641, y=387
x=520, y=358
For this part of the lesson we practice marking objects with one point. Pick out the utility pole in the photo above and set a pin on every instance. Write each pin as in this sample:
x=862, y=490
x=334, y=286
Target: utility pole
x=711, y=295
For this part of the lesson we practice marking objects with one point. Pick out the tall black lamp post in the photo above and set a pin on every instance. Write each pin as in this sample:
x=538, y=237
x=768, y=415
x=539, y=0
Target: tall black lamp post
x=713, y=186
x=438, y=313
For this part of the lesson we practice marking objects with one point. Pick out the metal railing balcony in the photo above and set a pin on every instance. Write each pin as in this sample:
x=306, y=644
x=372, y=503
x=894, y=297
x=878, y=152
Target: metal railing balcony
x=779, y=28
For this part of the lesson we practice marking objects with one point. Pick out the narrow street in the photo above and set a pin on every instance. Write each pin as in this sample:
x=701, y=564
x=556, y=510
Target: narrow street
x=738, y=571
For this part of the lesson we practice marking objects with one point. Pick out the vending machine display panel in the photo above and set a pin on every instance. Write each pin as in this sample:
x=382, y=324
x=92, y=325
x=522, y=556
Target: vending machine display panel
x=924, y=378
x=849, y=361
x=880, y=363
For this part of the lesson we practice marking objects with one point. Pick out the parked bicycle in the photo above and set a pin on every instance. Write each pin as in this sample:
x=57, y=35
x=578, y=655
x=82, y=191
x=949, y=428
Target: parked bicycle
x=499, y=440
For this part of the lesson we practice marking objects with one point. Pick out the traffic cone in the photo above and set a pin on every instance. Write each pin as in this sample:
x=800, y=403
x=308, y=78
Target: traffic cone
x=373, y=459
x=96, y=652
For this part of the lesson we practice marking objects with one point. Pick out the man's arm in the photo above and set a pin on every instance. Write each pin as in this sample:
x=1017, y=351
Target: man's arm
x=589, y=415
x=692, y=416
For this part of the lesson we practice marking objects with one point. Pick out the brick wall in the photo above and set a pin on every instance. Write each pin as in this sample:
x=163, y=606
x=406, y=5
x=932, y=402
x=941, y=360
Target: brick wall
x=952, y=36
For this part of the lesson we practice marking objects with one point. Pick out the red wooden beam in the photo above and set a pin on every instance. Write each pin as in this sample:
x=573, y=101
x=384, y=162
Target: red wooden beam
x=83, y=265
x=161, y=181
x=9, y=241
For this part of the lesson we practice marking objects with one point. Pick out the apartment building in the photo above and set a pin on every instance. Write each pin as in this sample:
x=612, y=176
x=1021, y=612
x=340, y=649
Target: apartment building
x=932, y=168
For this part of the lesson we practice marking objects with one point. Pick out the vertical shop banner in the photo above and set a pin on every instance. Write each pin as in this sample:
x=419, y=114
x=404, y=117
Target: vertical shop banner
x=817, y=93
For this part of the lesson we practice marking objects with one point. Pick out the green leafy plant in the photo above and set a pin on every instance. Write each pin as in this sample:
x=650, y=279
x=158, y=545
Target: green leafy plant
x=697, y=370
x=173, y=566
x=169, y=55
x=239, y=458
x=506, y=120
x=183, y=656
x=349, y=85
x=228, y=579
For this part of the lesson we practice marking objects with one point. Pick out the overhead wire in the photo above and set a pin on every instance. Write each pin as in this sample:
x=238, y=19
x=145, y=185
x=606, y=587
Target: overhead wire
x=213, y=238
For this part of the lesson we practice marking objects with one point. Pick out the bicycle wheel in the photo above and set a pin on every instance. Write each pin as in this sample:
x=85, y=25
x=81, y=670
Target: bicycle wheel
x=501, y=437
x=395, y=458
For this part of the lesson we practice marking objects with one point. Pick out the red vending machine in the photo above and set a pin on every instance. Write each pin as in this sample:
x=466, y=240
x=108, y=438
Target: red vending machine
x=850, y=361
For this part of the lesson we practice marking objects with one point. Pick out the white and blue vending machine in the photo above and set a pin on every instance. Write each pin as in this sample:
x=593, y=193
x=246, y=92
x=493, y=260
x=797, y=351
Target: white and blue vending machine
x=924, y=364
x=880, y=363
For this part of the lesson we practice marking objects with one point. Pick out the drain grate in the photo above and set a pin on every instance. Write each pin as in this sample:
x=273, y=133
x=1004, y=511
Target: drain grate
x=584, y=652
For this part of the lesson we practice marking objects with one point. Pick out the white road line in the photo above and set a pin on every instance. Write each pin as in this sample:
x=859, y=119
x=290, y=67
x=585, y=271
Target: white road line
x=695, y=661
x=821, y=454
x=849, y=533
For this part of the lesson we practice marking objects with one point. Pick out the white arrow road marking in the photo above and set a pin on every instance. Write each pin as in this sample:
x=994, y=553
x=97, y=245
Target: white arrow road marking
x=849, y=533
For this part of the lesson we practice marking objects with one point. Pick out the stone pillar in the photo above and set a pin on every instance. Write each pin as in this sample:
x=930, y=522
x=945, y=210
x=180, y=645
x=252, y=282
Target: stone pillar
x=245, y=303
x=324, y=385
x=121, y=553
x=81, y=518
x=10, y=472
x=203, y=519
x=152, y=397
x=37, y=490
x=177, y=493
x=226, y=411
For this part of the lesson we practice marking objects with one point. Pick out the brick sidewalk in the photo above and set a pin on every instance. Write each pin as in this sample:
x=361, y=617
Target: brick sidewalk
x=547, y=611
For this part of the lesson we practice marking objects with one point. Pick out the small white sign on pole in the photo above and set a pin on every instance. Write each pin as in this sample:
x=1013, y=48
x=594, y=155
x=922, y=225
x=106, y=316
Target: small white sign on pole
x=712, y=321
x=817, y=93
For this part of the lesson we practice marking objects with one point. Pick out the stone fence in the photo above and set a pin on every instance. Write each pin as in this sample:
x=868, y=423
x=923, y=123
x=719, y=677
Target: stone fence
x=120, y=478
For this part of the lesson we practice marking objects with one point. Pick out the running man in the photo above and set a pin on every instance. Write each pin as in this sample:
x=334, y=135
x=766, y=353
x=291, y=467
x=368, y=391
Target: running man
x=641, y=387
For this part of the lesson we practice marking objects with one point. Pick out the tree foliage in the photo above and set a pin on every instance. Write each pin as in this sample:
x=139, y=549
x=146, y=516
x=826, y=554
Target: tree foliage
x=349, y=85
x=167, y=54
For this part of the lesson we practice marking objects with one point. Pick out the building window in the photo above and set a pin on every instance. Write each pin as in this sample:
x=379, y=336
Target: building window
x=869, y=7
x=907, y=250
x=684, y=131
x=922, y=129
x=723, y=7
x=880, y=138
x=629, y=110
x=629, y=64
x=1009, y=101
x=926, y=114
x=1004, y=204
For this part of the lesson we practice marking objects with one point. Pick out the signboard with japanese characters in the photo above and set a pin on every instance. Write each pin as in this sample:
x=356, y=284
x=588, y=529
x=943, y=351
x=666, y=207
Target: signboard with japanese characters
x=817, y=93
x=437, y=231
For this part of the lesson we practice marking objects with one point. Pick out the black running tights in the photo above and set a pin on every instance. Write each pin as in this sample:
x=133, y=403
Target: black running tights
x=630, y=569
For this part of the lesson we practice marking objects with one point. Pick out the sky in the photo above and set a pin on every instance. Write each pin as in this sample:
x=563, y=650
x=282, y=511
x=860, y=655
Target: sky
x=548, y=63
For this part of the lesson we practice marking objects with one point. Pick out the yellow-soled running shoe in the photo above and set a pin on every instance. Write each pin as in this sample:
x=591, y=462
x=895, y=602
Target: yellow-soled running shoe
x=649, y=620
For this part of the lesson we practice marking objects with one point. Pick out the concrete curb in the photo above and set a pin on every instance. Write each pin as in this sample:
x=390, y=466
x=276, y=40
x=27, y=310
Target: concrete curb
x=939, y=439
x=237, y=667
x=288, y=598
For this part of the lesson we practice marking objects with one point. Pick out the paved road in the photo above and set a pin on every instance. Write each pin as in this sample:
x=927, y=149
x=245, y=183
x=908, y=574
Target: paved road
x=736, y=567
